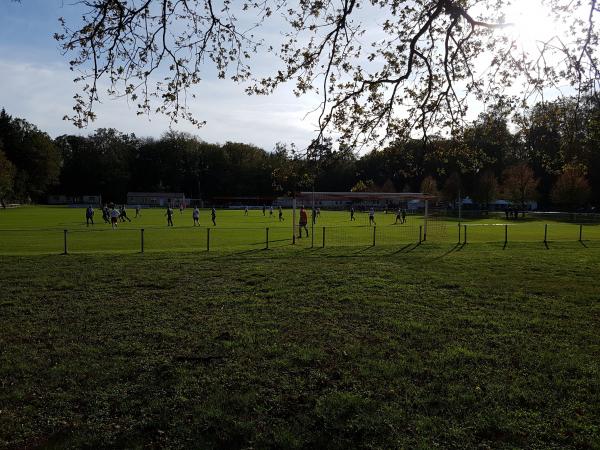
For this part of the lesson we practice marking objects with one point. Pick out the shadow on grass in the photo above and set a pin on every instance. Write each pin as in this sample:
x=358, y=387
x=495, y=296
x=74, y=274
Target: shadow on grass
x=365, y=249
x=254, y=251
x=456, y=248
x=407, y=248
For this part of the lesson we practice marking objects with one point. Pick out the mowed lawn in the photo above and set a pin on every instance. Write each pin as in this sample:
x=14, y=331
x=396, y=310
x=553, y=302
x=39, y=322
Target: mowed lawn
x=40, y=230
x=431, y=346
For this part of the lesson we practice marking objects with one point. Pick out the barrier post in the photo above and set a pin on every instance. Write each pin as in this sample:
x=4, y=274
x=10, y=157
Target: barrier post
x=545, y=233
x=465, y=233
x=323, y=237
x=420, y=233
x=142, y=239
x=294, y=221
x=267, y=239
x=459, y=232
x=580, y=232
x=505, y=234
x=65, y=243
x=374, y=230
x=208, y=239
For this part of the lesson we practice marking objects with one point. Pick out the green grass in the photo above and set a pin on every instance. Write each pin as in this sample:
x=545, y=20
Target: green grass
x=39, y=230
x=431, y=346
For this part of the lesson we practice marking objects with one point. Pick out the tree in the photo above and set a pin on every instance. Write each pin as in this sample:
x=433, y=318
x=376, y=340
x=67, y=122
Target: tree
x=388, y=186
x=36, y=159
x=486, y=188
x=572, y=188
x=429, y=186
x=364, y=186
x=7, y=175
x=520, y=184
x=419, y=71
x=101, y=163
x=488, y=141
x=452, y=187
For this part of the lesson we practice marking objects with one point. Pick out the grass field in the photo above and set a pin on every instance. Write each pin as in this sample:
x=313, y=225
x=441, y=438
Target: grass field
x=431, y=346
x=39, y=230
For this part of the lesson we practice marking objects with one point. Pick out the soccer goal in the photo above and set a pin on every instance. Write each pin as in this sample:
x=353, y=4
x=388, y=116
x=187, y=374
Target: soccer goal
x=365, y=203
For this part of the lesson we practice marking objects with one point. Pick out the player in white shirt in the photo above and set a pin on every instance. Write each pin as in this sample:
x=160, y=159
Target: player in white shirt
x=114, y=217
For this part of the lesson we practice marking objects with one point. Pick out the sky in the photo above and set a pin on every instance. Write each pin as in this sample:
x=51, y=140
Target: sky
x=37, y=85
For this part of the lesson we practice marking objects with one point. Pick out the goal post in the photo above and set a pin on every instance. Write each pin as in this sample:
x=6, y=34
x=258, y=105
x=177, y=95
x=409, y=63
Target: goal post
x=345, y=200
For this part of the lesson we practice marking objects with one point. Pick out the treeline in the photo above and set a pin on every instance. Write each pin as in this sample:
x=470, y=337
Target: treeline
x=551, y=154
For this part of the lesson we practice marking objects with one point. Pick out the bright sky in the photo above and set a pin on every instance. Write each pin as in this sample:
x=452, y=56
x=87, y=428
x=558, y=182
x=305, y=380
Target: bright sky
x=36, y=83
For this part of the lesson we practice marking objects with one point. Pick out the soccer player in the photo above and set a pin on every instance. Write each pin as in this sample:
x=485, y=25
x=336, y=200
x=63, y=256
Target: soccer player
x=106, y=214
x=181, y=208
x=213, y=215
x=403, y=216
x=352, y=214
x=138, y=211
x=196, y=216
x=89, y=215
x=280, y=214
x=114, y=217
x=303, y=222
x=271, y=211
x=264, y=210
x=123, y=214
x=398, y=216
x=246, y=211
x=169, y=215
x=372, y=216
x=318, y=212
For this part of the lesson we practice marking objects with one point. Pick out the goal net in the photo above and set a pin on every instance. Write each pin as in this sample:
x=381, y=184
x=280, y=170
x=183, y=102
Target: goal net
x=385, y=218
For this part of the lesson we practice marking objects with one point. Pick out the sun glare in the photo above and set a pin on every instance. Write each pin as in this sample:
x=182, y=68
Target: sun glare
x=532, y=22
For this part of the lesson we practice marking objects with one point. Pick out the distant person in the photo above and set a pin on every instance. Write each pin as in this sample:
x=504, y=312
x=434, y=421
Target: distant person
x=169, y=215
x=114, y=217
x=196, y=216
x=181, y=208
x=138, y=211
x=89, y=216
x=123, y=214
x=303, y=222
x=403, y=216
x=352, y=214
x=106, y=214
x=318, y=212
x=246, y=211
x=372, y=217
x=264, y=209
x=398, y=216
x=313, y=215
x=271, y=211
x=280, y=214
x=213, y=216
x=506, y=212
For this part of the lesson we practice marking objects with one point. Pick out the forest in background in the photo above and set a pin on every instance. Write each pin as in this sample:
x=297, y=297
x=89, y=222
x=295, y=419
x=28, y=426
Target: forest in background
x=550, y=154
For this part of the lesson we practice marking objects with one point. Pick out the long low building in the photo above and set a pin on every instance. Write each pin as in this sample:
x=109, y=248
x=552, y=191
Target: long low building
x=61, y=199
x=156, y=198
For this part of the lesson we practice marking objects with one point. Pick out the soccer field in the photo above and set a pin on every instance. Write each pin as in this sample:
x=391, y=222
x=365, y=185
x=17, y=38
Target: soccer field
x=40, y=230
x=423, y=347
